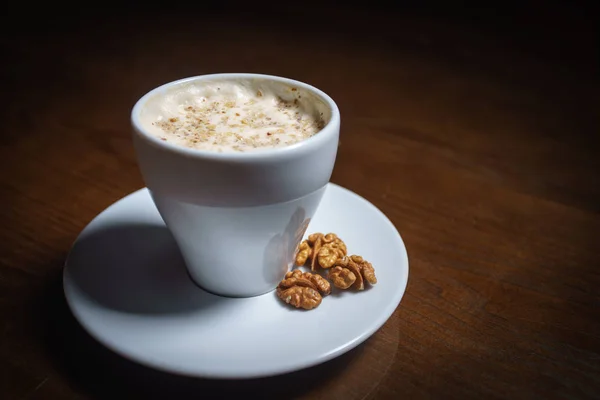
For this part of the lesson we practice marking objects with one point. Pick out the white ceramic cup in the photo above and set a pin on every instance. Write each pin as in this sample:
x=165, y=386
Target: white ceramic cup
x=238, y=217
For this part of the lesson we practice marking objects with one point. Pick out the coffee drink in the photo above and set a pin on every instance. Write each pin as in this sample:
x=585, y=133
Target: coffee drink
x=240, y=115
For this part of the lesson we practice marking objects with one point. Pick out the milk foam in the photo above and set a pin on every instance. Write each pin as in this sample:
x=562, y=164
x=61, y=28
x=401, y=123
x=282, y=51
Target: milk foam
x=240, y=115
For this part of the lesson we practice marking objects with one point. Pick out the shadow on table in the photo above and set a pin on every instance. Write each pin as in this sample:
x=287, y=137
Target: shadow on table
x=98, y=372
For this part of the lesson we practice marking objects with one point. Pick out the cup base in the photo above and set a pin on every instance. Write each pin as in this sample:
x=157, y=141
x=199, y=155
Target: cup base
x=224, y=294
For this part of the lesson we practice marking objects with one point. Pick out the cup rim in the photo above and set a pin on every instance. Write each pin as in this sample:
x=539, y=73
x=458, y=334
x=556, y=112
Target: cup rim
x=306, y=145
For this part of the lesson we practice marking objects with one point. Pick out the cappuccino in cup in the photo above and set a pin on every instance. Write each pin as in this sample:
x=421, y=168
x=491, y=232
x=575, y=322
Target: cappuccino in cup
x=234, y=115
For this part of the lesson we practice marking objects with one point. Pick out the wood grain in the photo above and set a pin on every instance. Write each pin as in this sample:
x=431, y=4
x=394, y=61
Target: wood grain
x=476, y=135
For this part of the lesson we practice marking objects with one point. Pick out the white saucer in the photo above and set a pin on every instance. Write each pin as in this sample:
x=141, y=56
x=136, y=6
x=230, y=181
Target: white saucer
x=126, y=284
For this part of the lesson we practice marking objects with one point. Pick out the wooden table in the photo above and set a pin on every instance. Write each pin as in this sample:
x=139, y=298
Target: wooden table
x=477, y=137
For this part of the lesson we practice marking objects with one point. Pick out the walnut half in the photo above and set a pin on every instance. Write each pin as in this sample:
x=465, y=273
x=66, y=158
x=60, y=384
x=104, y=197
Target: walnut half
x=322, y=250
x=352, y=271
x=341, y=277
x=303, y=290
x=299, y=278
x=366, y=269
x=300, y=297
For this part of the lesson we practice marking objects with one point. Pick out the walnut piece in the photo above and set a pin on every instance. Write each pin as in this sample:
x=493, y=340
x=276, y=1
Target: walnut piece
x=292, y=279
x=330, y=253
x=301, y=290
x=300, y=297
x=352, y=271
x=352, y=266
x=299, y=278
x=304, y=253
x=341, y=277
x=317, y=241
x=366, y=268
x=322, y=250
x=321, y=283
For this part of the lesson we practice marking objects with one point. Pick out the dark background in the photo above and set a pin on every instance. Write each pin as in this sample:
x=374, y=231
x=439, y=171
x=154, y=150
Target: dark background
x=558, y=31
x=484, y=125
x=469, y=35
